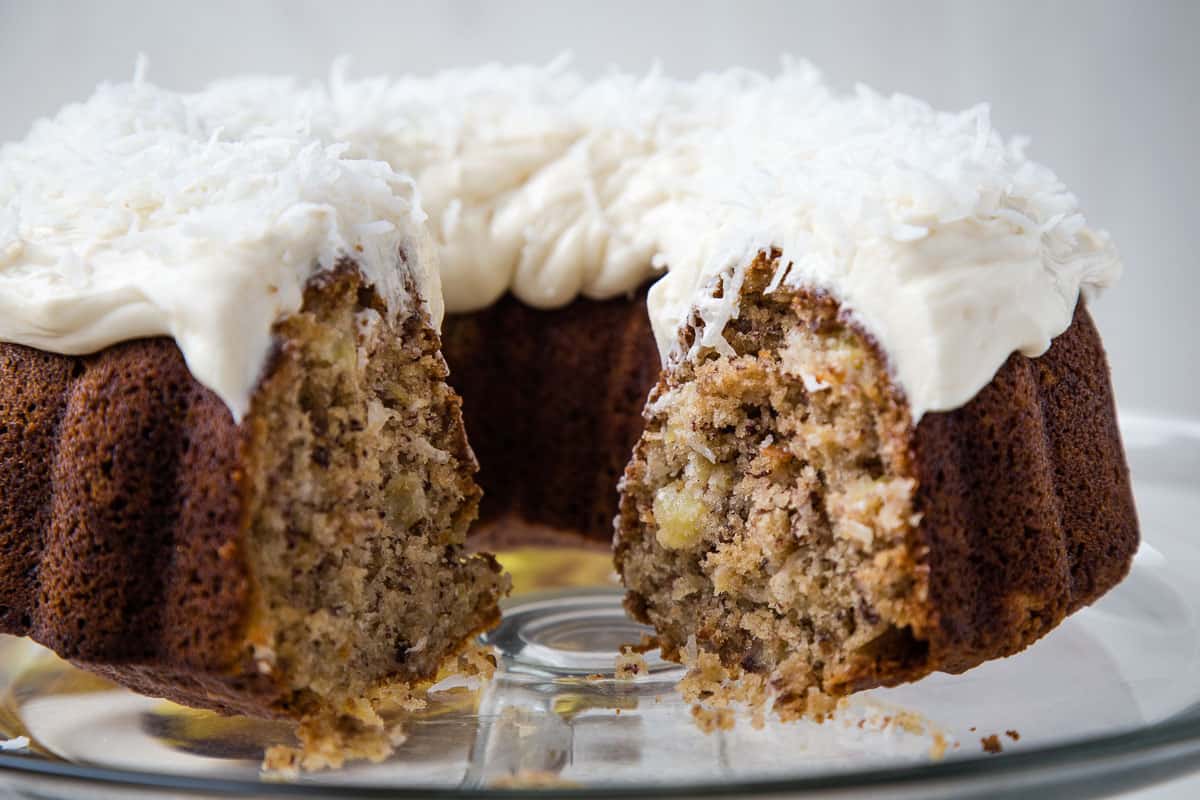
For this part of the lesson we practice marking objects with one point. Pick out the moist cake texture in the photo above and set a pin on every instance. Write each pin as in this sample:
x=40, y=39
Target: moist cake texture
x=783, y=512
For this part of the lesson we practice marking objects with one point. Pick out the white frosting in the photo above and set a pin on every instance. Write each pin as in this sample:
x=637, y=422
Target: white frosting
x=131, y=215
x=946, y=243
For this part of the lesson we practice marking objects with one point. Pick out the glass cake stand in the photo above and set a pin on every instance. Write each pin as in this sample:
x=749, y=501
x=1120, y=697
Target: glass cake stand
x=1108, y=702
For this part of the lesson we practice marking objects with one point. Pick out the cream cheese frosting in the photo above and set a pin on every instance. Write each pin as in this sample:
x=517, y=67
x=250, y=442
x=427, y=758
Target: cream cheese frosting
x=131, y=215
x=945, y=241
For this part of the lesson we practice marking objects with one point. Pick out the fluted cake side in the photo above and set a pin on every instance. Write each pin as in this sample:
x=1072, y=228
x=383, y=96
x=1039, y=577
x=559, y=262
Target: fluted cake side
x=552, y=402
x=1026, y=502
x=122, y=529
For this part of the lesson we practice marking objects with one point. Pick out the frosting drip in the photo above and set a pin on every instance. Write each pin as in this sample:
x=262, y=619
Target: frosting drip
x=949, y=245
x=131, y=216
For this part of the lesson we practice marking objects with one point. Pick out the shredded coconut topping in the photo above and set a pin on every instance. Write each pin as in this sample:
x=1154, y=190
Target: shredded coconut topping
x=135, y=215
x=945, y=242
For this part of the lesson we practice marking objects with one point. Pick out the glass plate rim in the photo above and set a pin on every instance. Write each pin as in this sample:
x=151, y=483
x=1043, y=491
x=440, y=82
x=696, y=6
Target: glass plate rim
x=1159, y=738
x=1109, y=750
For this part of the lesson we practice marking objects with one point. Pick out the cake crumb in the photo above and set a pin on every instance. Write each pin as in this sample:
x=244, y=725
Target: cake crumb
x=910, y=722
x=329, y=744
x=991, y=744
x=358, y=732
x=813, y=705
x=878, y=717
x=937, y=750
x=533, y=779
x=630, y=665
x=476, y=660
x=647, y=643
x=712, y=719
x=716, y=690
x=281, y=762
x=1014, y=735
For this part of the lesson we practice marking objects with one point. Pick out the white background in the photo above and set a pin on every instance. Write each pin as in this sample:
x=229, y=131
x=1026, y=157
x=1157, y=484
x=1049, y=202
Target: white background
x=1108, y=91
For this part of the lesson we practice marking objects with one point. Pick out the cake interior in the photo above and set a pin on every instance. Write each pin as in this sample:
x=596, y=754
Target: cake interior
x=768, y=503
x=361, y=492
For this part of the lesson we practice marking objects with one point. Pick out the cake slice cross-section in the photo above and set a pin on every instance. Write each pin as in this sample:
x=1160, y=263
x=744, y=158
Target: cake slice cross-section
x=245, y=486
x=785, y=514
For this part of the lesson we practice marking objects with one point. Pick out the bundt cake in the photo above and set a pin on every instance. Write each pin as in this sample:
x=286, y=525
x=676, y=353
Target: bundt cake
x=289, y=542
x=845, y=339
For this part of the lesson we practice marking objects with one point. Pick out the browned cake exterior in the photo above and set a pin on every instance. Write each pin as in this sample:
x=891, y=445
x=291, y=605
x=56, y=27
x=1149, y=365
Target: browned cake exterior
x=553, y=402
x=121, y=529
x=1027, y=509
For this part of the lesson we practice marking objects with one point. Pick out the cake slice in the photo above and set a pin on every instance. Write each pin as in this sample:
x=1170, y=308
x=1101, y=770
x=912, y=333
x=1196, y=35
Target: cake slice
x=784, y=515
x=302, y=563
x=246, y=487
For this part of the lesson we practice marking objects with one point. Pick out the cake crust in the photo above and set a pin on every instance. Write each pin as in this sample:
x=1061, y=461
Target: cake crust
x=125, y=529
x=552, y=401
x=1027, y=505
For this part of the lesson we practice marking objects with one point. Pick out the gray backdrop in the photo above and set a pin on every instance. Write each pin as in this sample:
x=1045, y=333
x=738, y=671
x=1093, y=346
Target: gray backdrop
x=1107, y=90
